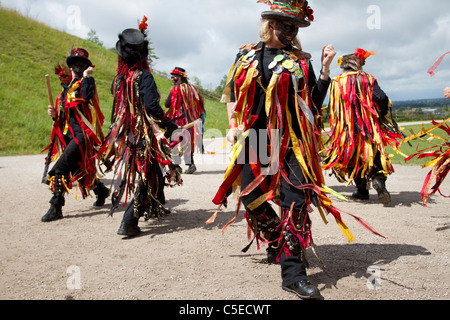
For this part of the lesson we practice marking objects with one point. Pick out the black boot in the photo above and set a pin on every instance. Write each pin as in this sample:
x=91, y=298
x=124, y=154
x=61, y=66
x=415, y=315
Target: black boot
x=295, y=280
x=361, y=192
x=379, y=184
x=129, y=226
x=102, y=192
x=304, y=290
x=56, y=202
x=129, y=230
x=55, y=211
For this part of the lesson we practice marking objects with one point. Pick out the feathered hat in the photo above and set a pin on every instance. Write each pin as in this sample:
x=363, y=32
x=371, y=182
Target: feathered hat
x=355, y=60
x=133, y=44
x=179, y=72
x=295, y=11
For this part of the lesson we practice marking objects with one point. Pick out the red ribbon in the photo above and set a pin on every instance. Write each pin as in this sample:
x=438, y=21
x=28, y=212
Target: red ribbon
x=436, y=64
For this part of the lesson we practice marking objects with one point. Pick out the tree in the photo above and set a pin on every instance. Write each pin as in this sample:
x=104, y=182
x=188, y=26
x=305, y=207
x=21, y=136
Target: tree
x=219, y=90
x=151, y=54
x=92, y=37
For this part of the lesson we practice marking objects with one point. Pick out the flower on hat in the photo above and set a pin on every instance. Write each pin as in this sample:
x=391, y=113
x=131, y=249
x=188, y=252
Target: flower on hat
x=143, y=25
x=293, y=8
x=310, y=13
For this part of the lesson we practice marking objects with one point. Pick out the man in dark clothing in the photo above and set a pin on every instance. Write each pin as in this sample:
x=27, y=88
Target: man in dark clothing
x=77, y=132
x=137, y=140
x=274, y=102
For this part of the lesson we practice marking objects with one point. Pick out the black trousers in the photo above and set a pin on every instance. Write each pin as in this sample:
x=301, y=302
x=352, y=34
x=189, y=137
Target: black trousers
x=361, y=183
x=70, y=159
x=292, y=268
x=141, y=198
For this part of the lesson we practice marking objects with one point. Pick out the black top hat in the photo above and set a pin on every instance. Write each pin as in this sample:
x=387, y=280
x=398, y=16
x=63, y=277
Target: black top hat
x=132, y=45
x=295, y=11
x=78, y=55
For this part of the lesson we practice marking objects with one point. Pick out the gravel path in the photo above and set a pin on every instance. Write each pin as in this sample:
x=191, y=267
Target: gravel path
x=180, y=257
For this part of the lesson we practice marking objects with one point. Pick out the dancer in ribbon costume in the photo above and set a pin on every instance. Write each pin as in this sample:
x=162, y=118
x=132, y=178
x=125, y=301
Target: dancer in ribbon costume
x=439, y=153
x=274, y=103
x=136, y=145
x=360, y=129
x=186, y=105
x=77, y=133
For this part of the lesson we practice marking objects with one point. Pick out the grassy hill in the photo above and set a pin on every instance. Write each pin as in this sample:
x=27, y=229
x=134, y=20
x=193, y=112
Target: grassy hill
x=29, y=51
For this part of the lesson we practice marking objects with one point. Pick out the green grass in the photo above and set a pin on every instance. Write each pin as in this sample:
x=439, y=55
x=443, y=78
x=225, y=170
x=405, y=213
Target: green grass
x=29, y=51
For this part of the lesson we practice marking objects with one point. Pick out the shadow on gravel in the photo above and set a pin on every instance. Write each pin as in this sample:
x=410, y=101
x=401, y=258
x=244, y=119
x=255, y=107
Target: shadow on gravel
x=340, y=261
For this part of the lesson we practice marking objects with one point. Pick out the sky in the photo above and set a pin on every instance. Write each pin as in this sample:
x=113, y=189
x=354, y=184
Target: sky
x=203, y=36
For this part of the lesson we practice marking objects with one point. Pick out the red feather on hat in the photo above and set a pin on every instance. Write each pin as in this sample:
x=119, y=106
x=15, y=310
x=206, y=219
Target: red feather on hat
x=363, y=54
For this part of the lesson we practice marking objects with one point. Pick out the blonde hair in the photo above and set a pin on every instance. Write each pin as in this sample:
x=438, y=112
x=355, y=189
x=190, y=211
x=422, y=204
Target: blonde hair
x=266, y=33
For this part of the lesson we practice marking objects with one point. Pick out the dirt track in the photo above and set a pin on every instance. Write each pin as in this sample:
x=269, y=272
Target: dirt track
x=180, y=257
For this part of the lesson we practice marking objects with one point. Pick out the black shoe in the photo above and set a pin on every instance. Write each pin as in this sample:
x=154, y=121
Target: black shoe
x=304, y=290
x=357, y=195
x=128, y=230
x=192, y=168
x=102, y=193
x=53, y=214
x=383, y=195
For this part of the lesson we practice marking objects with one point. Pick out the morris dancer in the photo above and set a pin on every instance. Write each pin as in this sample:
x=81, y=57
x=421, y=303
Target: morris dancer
x=360, y=129
x=136, y=145
x=274, y=103
x=439, y=153
x=77, y=132
x=185, y=105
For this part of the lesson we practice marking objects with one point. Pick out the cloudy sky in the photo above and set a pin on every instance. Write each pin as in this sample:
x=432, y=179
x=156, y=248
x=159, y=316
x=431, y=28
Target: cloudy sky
x=203, y=35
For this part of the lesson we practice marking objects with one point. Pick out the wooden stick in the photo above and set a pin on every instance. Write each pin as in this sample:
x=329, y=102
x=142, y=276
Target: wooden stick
x=49, y=90
x=48, y=160
x=190, y=125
